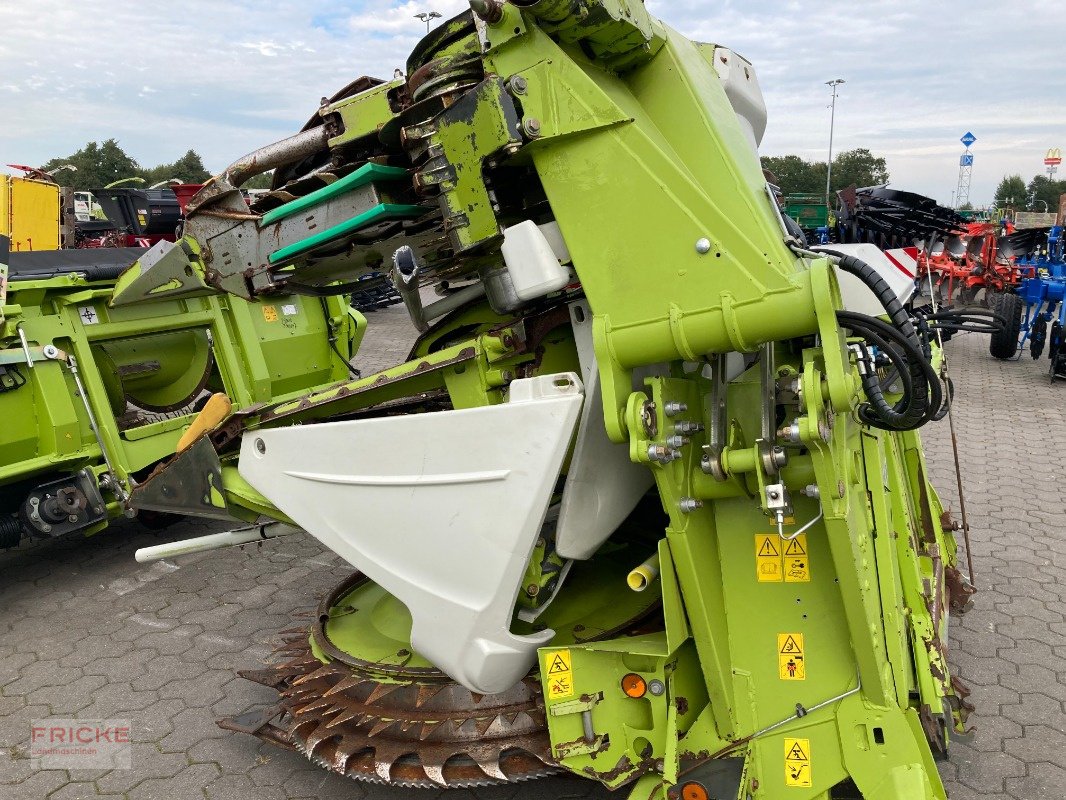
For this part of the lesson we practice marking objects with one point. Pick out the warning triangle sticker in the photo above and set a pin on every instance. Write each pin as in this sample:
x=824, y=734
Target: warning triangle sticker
x=795, y=548
x=768, y=548
x=796, y=753
x=558, y=665
x=790, y=646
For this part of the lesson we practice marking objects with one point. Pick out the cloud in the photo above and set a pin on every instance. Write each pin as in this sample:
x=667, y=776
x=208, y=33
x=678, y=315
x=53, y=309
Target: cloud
x=224, y=78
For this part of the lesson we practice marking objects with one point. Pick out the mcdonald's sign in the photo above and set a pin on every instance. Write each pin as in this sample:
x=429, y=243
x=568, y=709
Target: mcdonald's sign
x=1053, y=157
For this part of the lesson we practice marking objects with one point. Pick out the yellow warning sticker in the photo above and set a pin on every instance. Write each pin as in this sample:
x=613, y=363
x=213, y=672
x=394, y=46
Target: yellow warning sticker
x=791, y=665
x=559, y=674
x=768, y=557
x=797, y=568
x=270, y=313
x=798, y=762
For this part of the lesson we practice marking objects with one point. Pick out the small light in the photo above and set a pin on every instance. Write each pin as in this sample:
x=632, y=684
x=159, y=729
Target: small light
x=634, y=685
x=693, y=791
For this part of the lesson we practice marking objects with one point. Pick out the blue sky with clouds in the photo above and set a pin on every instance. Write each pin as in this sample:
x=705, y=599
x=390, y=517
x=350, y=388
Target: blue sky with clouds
x=225, y=77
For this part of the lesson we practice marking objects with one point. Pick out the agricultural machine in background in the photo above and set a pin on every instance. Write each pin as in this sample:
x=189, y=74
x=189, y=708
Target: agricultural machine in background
x=94, y=396
x=1036, y=308
x=129, y=218
x=633, y=376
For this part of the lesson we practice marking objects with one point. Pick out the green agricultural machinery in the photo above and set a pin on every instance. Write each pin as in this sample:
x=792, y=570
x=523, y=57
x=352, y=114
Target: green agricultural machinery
x=94, y=396
x=647, y=503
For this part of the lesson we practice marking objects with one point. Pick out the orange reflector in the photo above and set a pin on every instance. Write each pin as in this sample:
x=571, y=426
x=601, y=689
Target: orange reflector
x=634, y=685
x=693, y=791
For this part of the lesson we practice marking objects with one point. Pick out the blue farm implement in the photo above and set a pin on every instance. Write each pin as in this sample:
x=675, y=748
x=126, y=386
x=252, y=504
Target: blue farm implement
x=1035, y=312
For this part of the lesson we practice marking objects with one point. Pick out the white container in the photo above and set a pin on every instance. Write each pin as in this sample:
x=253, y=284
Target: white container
x=531, y=261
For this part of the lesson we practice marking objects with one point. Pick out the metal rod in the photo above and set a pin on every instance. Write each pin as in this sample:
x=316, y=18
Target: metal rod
x=954, y=439
x=25, y=345
x=72, y=365
x=215, y=541
x=832, y=123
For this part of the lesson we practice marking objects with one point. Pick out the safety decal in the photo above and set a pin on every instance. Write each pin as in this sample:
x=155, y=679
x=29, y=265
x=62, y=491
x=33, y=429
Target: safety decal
x=798, y=763
x=797, y=567
x=791, y=665
x=768, y=557
x=559, y=674
x=270, y=313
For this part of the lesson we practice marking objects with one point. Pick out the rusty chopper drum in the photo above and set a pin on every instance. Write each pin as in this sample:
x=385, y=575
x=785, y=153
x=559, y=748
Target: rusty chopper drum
x=355, y=699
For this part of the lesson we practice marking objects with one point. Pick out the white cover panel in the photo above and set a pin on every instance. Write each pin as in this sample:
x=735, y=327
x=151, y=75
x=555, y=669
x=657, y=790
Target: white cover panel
x=857, y=296
x=442, y=510
x=602, y=485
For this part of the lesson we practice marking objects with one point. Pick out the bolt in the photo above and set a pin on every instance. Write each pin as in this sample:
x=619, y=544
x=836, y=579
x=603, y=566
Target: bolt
x=703, y=245
x=658, y=452
x=260, y=446
x=647, y=418
x=690, y=504
x=532, y=590
x=35, y=501
x=674, y=407
x=531, y=127
x=656, y=687
x=518, y=84
x=72, y=518
x=50, y=351
x=685, y=427
x=677, y=441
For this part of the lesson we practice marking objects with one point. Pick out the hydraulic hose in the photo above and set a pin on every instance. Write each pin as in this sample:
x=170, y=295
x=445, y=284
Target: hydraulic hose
x=923, y=398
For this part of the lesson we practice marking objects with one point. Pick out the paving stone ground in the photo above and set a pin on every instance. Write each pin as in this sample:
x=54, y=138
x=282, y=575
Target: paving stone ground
x=87, y=632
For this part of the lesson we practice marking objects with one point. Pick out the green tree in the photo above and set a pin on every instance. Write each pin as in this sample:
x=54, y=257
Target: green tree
x=796, y=175
x=1011, y=191
x=187, y=169
x=259, y=181
x=859, y=168
x=98, y=165
x=1044, y=190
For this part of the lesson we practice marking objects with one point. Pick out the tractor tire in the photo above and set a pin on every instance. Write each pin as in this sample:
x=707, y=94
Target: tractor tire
x=1004, y=342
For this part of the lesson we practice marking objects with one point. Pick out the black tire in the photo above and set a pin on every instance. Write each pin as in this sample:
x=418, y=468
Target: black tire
x=1004, y=342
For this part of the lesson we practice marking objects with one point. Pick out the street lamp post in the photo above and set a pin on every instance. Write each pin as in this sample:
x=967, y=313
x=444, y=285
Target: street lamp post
x=427, y=17
x=833, y=84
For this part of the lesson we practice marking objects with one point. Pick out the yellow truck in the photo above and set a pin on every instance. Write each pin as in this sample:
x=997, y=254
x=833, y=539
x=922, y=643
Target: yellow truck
x=31, y=213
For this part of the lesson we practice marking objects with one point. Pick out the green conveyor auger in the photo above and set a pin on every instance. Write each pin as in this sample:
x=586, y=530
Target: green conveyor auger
x=647, y=502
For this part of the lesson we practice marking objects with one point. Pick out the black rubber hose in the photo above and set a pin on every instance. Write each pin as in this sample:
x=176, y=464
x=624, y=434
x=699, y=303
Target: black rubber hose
x=915, y=407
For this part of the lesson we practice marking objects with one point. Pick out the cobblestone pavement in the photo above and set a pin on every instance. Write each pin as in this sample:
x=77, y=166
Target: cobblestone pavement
x=87, y=632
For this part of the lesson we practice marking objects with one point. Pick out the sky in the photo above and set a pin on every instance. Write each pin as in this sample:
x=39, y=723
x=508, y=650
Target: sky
x=224, y=77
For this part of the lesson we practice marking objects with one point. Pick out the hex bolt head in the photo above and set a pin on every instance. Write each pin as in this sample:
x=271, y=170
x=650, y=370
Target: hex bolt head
x=674, y=407
x=518, y=84
x=690, y=504
x=51, y=351
x=703, y=245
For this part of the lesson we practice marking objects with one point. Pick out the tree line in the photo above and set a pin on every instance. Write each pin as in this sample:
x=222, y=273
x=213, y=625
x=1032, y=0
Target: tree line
x=99, y=164
x=796, y=175
x=1038, y=194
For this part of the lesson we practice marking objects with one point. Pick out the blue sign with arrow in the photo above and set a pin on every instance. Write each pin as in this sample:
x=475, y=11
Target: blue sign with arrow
x=968, y=139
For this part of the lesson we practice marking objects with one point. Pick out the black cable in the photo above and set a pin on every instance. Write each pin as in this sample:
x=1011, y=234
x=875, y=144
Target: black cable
x=352, y=371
